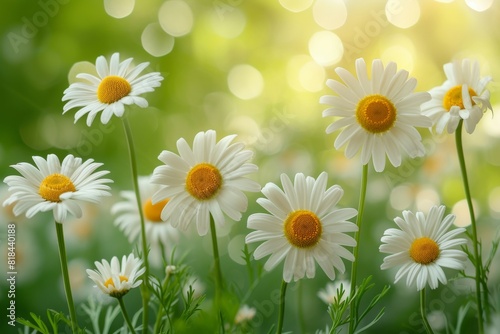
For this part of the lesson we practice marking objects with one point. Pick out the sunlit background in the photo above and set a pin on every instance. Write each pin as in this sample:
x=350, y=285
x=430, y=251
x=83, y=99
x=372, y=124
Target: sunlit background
x=255, y=68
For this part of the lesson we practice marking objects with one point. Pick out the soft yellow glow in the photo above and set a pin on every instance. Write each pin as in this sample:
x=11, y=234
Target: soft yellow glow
x=293, y=68
x=400, y=55
x=326, y=48
x=296, y=5
x=155, y=41
x=427, y=198
x=330, y=14
x=231, y=25
x=312, y=77
x=402, y=13
x=491, y=125
x=245, y=82
x=494, y=201
x=176, y=18
x=479, y=5
x=119, y=8
x=401, y=197
x=461, y=210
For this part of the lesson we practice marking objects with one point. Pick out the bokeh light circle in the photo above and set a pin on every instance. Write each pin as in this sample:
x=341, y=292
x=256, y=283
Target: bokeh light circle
x=330, y=14
x=479, y=5
x=155, y=41
x=326, y=48
x=119, y=8
x=176, y=18
x=312, y=77
x=296, y=5
x=402, y=13
x=245, y=81
x=81, y=67
x=231, y=25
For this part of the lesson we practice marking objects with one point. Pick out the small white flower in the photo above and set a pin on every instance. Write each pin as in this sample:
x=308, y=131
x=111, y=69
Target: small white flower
x=422, y=247
x=245, y=313
x=379, y=115
x=159, y=233
x=114, y=280
x=303, y=226
x=329, y=294
x=206, y=180
x=55, y=186
x=116, y=85
x=463, y=96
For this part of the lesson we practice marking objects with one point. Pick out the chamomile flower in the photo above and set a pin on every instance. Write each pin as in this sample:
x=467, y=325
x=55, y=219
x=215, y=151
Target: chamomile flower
x=379, y=115
x=304, y=225
x=116, y=85
x=245, y=314
x=55, y=186
x=206, y=180
x=422, y=246
x=116, y=280
x=159, y=233
x=331, y=291
x=462, y=96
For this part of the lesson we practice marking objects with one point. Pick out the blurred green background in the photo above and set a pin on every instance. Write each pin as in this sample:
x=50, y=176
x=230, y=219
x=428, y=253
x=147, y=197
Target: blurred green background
x=254, y=68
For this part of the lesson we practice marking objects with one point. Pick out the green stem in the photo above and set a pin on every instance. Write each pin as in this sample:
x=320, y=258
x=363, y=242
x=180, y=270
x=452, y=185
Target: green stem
x=282, y=307
x=423, y=312
x=133, y=164
x=354, y=268
x=64, y=269
x=300, y=305
x=125, y=315
x=161, y=307
x=218, y=272
x=478, y=265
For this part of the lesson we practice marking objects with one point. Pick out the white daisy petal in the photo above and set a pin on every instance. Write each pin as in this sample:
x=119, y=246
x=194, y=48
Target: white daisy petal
x=456, y=99
x=116, y=280
x=303, y=227
x=422, y=246
x=374, y=112
x=205, y=180
x=55, y=186
x=111, y=91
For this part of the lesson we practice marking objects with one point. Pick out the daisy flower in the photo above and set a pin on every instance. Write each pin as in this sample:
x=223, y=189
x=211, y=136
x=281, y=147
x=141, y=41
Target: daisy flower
x=55, y=186
x=462, y=96
x=158, y=232
x=116, y=85
x=206, y=180
x=422, y=247
x=114, y=280
x=303, y=226
x=244, y=314
x=379, y=115
x=330, y=292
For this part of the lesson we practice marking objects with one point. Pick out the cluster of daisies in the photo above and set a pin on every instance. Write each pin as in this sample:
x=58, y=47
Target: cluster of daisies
x=208, y=180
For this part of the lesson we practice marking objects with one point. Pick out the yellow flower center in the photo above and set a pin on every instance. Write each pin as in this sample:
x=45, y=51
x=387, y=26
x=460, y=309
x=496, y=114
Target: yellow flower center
x=376, y=113
x=424, y=250
x=203, y=181
x=54, y=185
x=109, y=281
x=303, y=228
x=453, y=97
x=112, y=88
x=152, y=212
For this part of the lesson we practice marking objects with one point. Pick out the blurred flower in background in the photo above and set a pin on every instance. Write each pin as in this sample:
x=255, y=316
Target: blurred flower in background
x=160, y=235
